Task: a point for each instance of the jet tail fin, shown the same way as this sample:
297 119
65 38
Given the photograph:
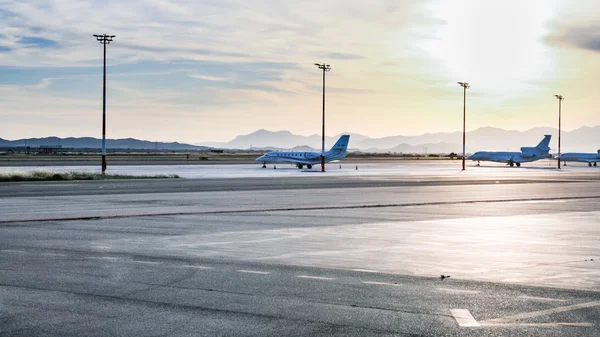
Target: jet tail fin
340 147
545 143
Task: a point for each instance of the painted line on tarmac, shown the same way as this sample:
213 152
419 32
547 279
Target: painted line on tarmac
253 272
541 325
196 266
464 318
316 277
459 291
146 262
365 270
543 299
383 283
112 258
534 314
53 254
291 209
13 251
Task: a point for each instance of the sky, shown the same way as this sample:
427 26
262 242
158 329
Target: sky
209 70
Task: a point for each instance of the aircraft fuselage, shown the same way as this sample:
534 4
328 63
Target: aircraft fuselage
591 158
337 152
507 157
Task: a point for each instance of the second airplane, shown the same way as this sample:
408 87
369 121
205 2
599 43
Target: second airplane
527 154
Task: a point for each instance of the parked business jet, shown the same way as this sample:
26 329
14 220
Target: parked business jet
527 154
590 158
337 152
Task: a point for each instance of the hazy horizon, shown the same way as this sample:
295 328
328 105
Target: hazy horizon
203 71
297 134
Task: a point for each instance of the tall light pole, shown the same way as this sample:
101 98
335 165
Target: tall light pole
465 86
560 99
104 40
325 67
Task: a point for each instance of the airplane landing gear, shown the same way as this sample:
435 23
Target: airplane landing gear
594 164
264 165
511 164
518 164
300 166
478 163
309 166
590 164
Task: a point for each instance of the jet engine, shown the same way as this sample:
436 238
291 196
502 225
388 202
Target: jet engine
529 152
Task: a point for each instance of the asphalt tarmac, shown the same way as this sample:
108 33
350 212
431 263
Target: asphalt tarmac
398 168
319 256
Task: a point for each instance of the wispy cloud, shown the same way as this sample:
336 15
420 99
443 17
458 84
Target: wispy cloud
38 42
44 83
210 30
582 36
208 78
343 56
41 84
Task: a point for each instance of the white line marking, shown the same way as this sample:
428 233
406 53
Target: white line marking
146 262
542 299
366 270
253 272
464 318
383 283
102 257
533 314
459 291
316 277
196 267
543 325
14 251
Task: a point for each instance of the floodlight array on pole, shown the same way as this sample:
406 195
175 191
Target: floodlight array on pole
325 67
465 86
560 99
104 39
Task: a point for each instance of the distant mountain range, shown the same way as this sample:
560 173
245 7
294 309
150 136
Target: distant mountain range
584 139
487 138
95 143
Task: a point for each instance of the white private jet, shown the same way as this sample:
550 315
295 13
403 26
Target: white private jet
337 152
590 158
527 154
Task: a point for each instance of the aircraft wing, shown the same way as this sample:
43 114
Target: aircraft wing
313 156
505 158
524 159
302 161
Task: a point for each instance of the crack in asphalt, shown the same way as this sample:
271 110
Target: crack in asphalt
201 308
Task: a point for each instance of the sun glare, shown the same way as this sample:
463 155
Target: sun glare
496 46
